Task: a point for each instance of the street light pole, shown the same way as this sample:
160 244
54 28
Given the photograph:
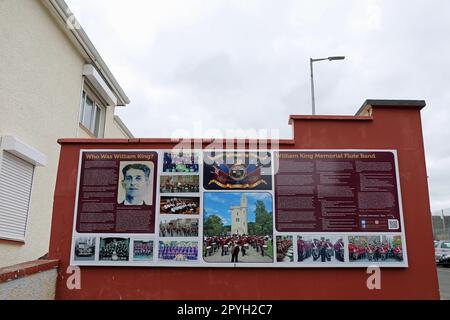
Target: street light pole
312 88
311 60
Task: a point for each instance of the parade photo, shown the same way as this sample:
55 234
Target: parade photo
285 249
142 250
180 161
85 249
180 205
178 251
238 227
179 183
320 249
237 171
135 186
114 249
391 249
366 248
178 227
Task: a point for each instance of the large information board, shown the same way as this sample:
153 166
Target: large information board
238 208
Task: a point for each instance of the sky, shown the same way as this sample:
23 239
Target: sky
226 68
219 203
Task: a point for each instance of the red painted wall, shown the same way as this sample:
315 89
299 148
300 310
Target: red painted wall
388 128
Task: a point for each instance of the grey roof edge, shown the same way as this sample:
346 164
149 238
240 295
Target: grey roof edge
64 13
123 126
417 104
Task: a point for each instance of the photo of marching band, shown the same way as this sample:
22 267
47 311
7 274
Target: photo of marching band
178 250
180 205
182 161
85 248
375 248
114 249
179 184
238 227
142 250
320 249
178 228
237 248
285 249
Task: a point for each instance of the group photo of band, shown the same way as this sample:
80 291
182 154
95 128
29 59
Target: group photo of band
178 250
180 161
238 248
320 249
285 249
180 205
84 249
179 184
142 250
114 249
375 248
178 227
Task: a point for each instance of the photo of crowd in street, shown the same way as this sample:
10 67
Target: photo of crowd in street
114 249
179 184
178 251
142 250
238 227
285 249
375 248
180 205
178 227
180 161
320 249
84 249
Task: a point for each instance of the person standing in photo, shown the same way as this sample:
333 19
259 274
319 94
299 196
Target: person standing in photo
235 254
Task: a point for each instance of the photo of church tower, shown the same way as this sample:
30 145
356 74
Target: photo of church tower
239 221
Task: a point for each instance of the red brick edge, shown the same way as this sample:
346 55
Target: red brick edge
26 269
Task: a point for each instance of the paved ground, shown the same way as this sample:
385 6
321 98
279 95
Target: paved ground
444 282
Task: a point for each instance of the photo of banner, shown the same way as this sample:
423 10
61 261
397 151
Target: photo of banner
237 171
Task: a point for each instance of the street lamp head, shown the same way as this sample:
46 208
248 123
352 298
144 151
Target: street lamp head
311 60
336 58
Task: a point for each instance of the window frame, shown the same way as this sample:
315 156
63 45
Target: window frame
88 92
445 245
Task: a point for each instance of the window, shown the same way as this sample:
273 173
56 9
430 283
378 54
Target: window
445 245
16 179
92 113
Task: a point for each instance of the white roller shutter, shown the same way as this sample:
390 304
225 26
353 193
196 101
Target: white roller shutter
16 179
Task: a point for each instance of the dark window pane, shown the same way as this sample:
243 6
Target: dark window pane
97 121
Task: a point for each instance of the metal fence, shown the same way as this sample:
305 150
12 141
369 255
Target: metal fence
441 224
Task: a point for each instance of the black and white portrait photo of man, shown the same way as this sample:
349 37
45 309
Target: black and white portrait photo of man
135 184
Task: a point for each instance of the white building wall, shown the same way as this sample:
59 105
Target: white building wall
112 129
40 93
